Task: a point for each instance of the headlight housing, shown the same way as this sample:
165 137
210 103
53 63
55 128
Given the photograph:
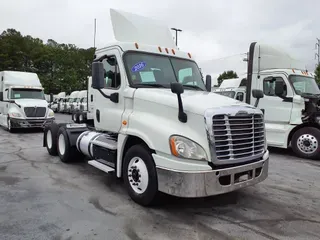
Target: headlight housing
50 114
15 115
185 148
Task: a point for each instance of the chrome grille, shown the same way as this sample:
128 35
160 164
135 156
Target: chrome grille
238 137
35 111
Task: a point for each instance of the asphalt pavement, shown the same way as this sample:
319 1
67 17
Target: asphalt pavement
43 198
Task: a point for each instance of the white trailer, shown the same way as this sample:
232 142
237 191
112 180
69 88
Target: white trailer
156 123
22 101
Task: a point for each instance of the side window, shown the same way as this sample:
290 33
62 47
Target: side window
269 84
185 77
240 96
112 73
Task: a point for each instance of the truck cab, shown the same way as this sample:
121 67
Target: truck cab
22 101
157 124
235 93
291 100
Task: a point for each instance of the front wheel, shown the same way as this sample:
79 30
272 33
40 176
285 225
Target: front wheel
306 143
140 175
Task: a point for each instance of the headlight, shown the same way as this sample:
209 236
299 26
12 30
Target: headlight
185 148
15 115
51 113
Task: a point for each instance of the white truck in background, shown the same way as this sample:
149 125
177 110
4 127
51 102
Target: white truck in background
22 101
291 101
156 123
55 104
69 103
233 88
76 105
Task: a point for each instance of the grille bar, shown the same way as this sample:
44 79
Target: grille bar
238 137
35 111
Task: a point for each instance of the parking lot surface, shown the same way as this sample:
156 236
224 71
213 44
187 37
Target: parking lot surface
43 198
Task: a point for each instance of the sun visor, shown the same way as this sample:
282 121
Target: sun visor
128 27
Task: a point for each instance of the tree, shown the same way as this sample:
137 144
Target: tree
317 72
60 67
226 75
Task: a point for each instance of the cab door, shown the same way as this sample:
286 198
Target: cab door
108 113
277 110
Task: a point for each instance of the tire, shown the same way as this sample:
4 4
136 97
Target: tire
138 157
81 118
51 132
74 117
306 143
66 153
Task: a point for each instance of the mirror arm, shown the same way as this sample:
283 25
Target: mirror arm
100 59
114 97
182 116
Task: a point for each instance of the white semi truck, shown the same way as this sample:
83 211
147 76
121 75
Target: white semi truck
55 104
22 101
156 123
291 101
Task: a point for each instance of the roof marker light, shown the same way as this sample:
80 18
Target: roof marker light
189 55
160 50
137 46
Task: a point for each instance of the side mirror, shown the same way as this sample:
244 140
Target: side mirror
1 96
176 88
208 83
279 88
257 93
98 81
51 97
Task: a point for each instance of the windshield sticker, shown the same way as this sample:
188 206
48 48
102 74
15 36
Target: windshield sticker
16 95
138 66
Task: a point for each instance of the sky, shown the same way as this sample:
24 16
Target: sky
216 32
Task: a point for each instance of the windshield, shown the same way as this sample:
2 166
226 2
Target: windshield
76 100
150 70
303 84
70 100
227 93
18 93
84 100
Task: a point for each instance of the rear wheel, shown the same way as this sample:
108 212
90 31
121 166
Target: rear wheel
140 175
50 136
306 143
66 152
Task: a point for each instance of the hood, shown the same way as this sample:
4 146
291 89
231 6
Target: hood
193 101
31 102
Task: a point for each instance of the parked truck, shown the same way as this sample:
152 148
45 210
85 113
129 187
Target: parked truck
291 101
22 101
156 123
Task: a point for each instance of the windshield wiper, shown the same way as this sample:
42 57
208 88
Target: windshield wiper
156 85
194 87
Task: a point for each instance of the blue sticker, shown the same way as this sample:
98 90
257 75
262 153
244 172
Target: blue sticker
138 66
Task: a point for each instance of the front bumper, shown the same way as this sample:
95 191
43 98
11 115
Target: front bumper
213 182
30 123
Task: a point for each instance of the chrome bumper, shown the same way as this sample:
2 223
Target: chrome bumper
213 182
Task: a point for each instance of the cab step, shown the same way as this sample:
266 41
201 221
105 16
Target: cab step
101 166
